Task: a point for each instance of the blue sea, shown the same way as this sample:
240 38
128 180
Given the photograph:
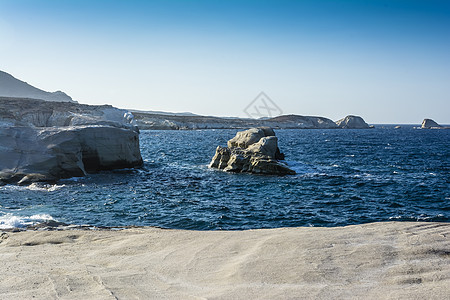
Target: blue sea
343 177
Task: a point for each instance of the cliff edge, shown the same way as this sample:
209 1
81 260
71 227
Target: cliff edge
47 141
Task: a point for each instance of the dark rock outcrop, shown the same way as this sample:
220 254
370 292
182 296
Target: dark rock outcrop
253 151
47 141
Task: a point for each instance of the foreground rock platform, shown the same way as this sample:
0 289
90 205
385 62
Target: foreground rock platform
47 141
393 260
253 151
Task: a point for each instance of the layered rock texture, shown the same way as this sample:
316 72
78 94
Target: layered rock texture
430 124
13 87
160 121
352 122
38 113
253 151
47 141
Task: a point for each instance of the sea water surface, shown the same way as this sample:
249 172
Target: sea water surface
343 177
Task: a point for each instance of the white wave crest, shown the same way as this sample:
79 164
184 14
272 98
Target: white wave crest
9 221
41 187
300 168
44 187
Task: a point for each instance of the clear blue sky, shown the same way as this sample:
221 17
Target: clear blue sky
387 61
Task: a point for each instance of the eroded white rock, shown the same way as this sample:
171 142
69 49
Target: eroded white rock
47 141
352 122
254 151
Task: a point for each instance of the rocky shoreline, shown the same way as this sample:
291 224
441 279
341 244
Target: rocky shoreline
52 225
48 141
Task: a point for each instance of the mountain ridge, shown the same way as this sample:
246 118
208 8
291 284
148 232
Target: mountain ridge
16 88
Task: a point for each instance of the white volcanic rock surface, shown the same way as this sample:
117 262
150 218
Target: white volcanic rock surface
176 122
383 260
13 87
39 113
46 141
306 122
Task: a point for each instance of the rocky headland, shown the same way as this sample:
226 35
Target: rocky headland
253 151
159 121
47 141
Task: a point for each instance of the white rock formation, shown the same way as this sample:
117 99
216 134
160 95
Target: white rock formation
13 87
146 120
46 141
301 122
38 113
244 139
430 124
352 122
254 151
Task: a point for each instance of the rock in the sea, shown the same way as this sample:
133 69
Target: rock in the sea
429 123
353 122
254 151
47 141
243 139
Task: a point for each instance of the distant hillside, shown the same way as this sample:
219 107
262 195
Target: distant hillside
13 87
164 113
152 121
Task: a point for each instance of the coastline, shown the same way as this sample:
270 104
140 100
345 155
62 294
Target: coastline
390 260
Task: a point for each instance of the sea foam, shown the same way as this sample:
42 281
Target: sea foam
9 221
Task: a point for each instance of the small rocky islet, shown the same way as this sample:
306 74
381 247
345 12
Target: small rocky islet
252 151
431 124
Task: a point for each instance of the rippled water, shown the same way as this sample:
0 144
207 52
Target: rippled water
344 177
